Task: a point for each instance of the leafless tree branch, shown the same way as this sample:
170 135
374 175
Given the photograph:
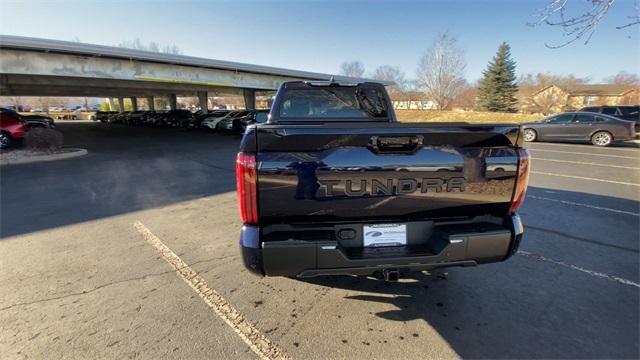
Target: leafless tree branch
153 46
352 69
633 19
394 74
440 72
581 26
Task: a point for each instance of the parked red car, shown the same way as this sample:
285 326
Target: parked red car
12 127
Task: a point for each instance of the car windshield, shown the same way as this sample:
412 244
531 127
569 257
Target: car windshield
240 114
331 102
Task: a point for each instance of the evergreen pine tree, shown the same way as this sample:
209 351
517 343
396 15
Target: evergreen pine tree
497 89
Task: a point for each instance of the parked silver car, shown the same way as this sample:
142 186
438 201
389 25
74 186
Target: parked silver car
599 129
211 121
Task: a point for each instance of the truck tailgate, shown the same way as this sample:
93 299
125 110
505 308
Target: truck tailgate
387 172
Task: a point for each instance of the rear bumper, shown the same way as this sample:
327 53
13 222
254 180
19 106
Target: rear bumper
625 136
315 258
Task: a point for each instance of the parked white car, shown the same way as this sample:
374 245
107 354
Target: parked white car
212 121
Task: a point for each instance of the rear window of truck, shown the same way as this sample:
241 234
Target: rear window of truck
333 102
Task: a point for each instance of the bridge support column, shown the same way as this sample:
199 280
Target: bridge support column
249 99
121 104
203 99
173 101
112 105
134 103
150 103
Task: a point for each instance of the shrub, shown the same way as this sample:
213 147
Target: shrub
44 140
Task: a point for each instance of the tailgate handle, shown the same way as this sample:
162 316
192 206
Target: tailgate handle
396 144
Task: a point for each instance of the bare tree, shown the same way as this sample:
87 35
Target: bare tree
466 100
352 69
32 102
14 100
625 78
391 73
440 71
547 102
45 102
581 25
153 46
188 102
171 49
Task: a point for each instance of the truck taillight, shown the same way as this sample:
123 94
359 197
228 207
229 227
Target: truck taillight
522 180
246 182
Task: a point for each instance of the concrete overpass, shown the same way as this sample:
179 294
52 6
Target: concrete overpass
42 67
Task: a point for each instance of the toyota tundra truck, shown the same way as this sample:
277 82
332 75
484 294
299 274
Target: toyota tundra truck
332 184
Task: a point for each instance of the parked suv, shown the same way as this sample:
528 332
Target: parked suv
239 124
12 127
178 117
32 121
103 116
624 112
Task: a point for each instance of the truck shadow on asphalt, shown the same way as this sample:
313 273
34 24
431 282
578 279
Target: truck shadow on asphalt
525 308
506 310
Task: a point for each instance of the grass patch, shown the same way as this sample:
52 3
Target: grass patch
465 116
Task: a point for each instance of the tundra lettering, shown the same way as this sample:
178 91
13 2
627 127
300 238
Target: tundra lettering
389 187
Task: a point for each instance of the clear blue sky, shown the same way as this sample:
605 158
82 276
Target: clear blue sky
319 36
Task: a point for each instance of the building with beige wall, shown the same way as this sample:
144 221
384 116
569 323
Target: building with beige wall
553 98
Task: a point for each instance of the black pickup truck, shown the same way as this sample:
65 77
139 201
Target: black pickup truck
333 184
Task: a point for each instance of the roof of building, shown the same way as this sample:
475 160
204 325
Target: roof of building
77 48
594 89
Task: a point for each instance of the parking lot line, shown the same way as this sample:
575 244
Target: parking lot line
589 146
260 344
584 205
578 268
585 153
585 178
586 163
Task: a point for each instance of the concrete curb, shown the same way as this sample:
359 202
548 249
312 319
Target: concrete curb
41 158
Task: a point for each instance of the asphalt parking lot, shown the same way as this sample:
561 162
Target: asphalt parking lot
80 279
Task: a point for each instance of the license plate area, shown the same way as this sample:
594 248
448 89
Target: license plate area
384 235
